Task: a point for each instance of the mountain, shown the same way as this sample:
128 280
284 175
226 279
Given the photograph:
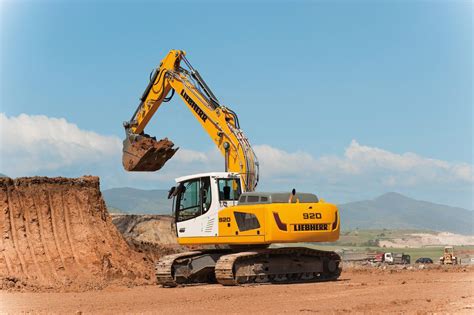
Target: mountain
389 211
395 211
137 201
3 175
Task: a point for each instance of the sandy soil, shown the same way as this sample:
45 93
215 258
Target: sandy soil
152 235
146 227
56 234
376 291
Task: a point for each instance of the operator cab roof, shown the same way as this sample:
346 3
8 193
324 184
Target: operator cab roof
248 198
210 174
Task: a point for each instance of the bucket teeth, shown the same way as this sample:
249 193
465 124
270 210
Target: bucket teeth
145 154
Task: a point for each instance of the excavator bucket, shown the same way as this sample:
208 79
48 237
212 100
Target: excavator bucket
145 154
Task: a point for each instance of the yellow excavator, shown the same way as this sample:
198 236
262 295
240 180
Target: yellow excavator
223 208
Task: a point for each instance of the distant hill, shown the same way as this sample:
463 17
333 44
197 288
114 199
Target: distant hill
137 201
395 211
389 211
3 175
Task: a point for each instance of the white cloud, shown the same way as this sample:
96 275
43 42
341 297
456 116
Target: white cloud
364 162
40 145
31 144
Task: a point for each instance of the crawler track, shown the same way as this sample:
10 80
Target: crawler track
165 268
228 267
280 265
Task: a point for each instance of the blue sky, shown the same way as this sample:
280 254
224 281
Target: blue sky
306 78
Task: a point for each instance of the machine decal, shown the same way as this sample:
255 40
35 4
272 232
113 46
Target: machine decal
310 227
312 215
224 219
281 225
194 106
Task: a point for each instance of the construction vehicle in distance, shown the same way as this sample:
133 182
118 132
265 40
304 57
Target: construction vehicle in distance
222 208
392 258
448 257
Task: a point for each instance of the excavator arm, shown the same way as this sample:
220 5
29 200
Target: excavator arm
144 153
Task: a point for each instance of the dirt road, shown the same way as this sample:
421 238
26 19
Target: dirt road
411 291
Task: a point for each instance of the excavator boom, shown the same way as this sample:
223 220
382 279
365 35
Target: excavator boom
143 153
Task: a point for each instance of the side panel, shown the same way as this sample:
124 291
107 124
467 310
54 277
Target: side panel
228 229
242 221
240 240
302 222
202 226
274 223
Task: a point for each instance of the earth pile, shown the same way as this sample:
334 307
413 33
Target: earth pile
152 235
56 233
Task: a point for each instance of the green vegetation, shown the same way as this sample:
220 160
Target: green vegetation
432 252
366 241
371 238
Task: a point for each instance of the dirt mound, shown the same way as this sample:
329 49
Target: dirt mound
152 235
148 228
56 233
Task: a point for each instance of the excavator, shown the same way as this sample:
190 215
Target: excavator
224 209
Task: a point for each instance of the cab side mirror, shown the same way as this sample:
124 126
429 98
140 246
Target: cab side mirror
171 192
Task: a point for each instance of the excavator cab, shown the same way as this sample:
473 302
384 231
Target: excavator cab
210 208
198 198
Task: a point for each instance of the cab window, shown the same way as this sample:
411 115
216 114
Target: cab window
229 189
206 194
188 205
193 198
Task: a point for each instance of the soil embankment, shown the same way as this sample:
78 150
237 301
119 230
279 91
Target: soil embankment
152 235
56 234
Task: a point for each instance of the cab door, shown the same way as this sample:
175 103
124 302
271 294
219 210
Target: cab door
192 204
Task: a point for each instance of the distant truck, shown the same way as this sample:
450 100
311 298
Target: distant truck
392 258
